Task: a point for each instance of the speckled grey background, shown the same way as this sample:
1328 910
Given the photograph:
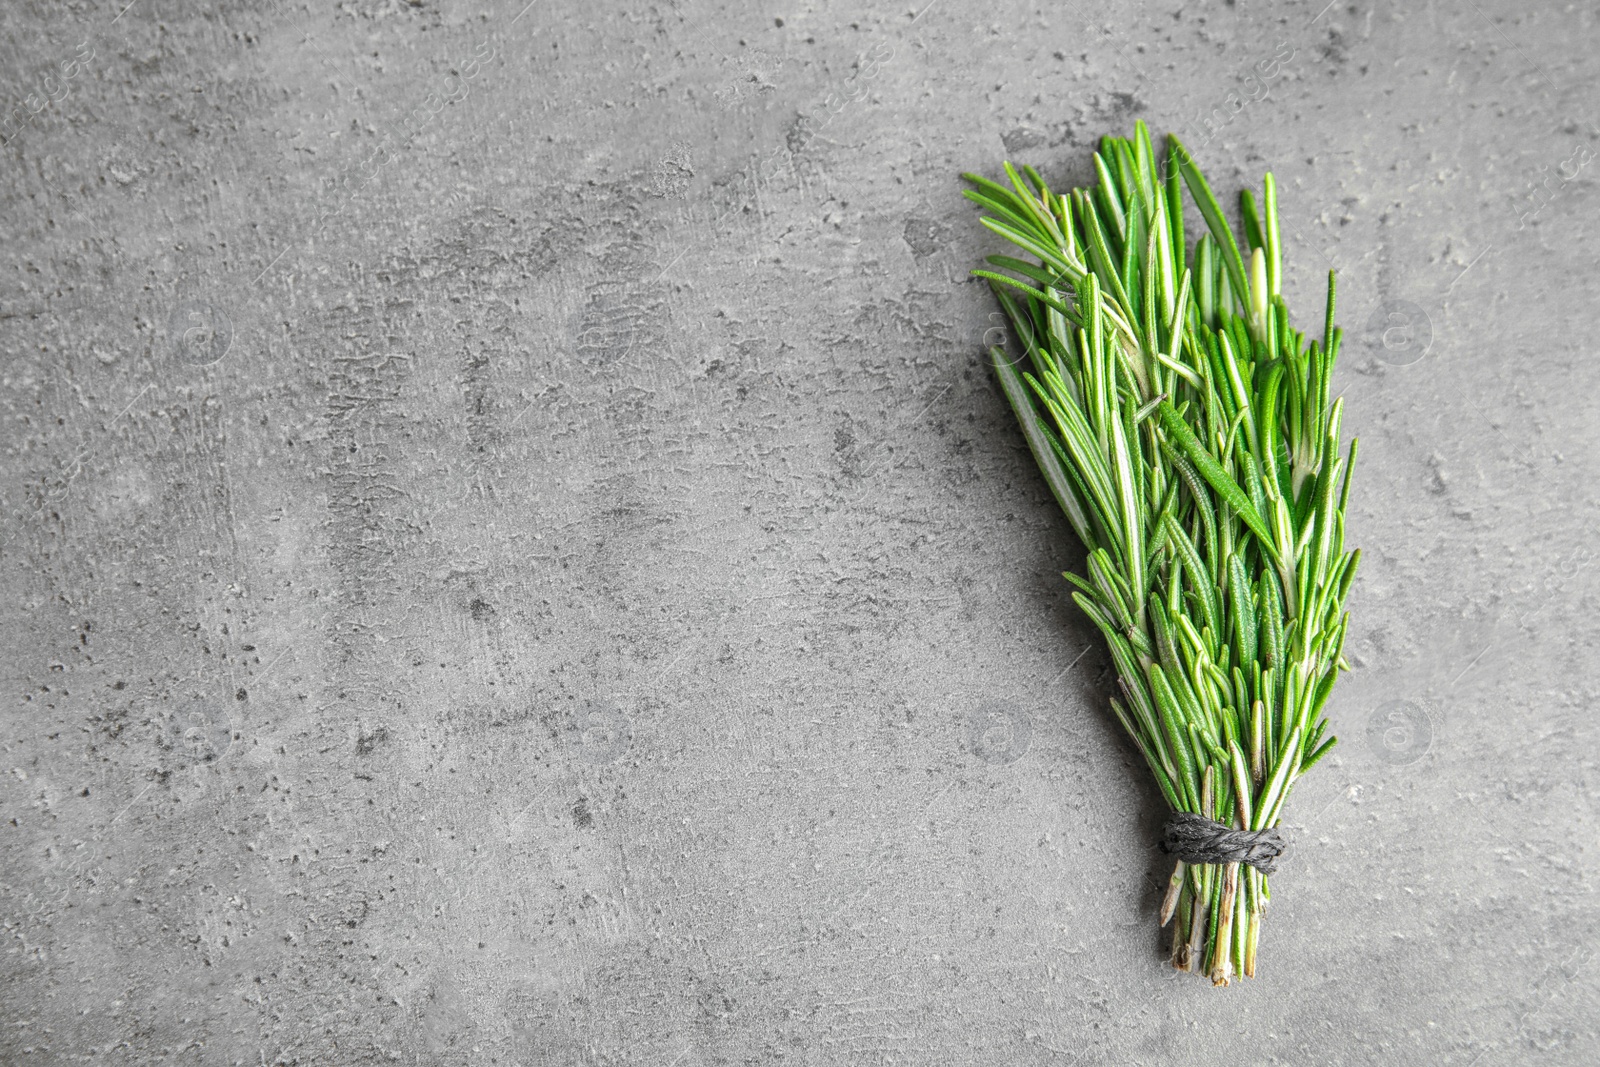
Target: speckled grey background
512 554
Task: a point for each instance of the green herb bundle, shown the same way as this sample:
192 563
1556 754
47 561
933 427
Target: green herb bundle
1186 430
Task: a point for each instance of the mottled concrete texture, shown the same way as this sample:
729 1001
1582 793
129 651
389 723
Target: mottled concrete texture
513 555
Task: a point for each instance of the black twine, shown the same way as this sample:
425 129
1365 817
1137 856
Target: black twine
1196 839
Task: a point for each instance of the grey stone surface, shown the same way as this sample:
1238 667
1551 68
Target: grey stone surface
513 555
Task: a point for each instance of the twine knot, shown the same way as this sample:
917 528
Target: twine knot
1197 839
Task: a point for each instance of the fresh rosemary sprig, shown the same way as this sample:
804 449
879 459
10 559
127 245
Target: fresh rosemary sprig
1185 428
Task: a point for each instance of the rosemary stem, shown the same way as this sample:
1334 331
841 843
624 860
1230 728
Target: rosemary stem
1174 888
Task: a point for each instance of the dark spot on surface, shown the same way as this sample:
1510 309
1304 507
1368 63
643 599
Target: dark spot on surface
581 814
846 451
1121 107
1335 51
1020 138
1110 111
925 237
241 695
366 741
481 609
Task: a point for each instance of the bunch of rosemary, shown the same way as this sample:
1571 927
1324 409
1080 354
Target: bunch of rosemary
1185 428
